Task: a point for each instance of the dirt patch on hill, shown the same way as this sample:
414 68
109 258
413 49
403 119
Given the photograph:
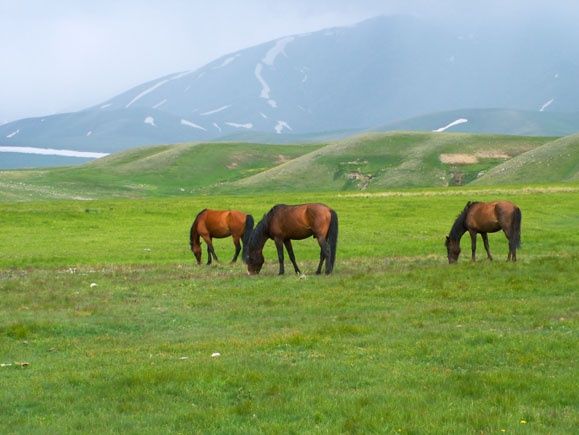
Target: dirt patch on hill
361 180
471 159
458 159
281 159
493 155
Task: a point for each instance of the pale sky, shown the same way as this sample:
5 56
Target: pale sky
65 55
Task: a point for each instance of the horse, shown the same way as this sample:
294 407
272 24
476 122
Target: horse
483 218
284 223
219 224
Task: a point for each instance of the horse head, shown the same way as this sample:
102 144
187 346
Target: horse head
452 249
255 262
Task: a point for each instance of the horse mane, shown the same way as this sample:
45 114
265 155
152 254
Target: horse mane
459 226
260 233
193 231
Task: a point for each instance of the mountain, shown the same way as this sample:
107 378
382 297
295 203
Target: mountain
370 75
506 121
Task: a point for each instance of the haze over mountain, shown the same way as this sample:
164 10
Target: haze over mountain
372 75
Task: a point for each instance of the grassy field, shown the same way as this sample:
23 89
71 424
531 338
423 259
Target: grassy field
117 326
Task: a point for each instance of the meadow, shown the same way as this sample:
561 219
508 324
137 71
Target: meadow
107 325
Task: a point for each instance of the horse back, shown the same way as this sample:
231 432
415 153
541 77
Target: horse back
236 222
300 221
214 223
489 217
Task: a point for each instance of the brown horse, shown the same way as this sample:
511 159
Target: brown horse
220 224
483 218
284 223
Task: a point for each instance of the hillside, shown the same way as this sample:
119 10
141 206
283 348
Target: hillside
400 159
554 161
355 78
154 171
371 161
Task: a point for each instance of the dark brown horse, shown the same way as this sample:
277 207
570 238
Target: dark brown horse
284 223
483 218
219 224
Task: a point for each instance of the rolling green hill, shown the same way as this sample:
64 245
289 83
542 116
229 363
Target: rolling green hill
400 159
554 161
152 171
372 161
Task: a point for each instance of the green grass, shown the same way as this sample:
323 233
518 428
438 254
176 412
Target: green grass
368 162
395 341
554 161
177 170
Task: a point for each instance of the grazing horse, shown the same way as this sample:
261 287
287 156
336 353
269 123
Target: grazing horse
220 224
483 218
284 223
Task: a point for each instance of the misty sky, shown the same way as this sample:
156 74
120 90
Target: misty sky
65 55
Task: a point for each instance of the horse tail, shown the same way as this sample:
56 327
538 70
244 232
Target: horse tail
516 228
332 239
246 236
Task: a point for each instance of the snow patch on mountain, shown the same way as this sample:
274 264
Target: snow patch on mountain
88 133
14 133
237 125
276 50
192 124
452 124
220 109
160 103
217 126
147 91
547 104
150 121
280 126
227 61
269 60
156 86
51 152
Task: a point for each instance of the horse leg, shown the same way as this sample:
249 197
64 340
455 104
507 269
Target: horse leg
290 251
279 246
237 244
210 250
208 254
207 240
213 253
473 244
487 247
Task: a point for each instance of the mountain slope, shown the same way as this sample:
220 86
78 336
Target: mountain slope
375 73
374 162
516 122
399 159
151 171
554 161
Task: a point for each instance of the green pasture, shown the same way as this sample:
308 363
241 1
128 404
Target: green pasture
107 326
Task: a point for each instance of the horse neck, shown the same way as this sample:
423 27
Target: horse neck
259 236
194 235
459 227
